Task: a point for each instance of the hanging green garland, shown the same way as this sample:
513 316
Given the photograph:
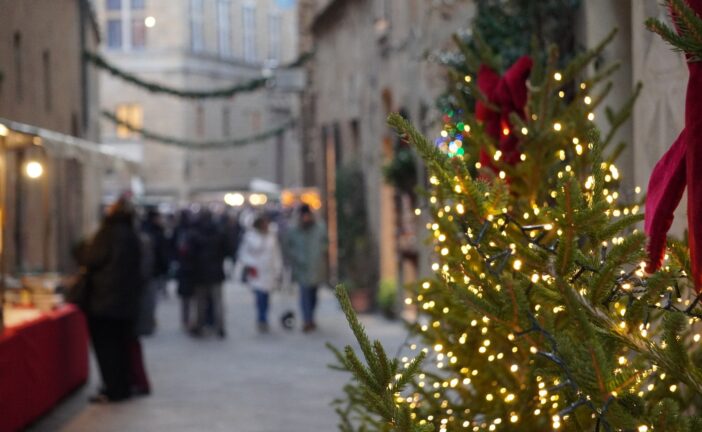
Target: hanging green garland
152 87
200 145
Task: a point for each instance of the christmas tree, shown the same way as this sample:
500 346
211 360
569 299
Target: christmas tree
540 315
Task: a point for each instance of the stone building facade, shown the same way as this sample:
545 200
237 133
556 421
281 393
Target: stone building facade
371 59
200 45
49 101
43 79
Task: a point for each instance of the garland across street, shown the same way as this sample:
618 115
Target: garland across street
221 93
200 145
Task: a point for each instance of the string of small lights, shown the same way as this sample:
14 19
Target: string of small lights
540 315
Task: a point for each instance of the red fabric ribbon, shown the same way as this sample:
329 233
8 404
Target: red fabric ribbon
674 172
509 95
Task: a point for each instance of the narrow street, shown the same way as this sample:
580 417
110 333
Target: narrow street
247 383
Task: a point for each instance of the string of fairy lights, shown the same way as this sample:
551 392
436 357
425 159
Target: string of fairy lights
629 285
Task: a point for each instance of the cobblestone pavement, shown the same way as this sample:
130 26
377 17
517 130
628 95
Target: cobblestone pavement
277 382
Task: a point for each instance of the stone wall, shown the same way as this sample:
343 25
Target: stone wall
42 76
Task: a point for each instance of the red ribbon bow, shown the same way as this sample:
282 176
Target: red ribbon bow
509 95
674 172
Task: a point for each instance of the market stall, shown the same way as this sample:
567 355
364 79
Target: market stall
43 357
51 190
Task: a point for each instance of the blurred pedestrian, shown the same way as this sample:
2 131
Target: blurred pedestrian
262 263
113 261
154 227
233 232
306 248
185 256
155 258
210 248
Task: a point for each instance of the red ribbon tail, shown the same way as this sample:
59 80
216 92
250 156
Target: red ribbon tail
693 126
665 190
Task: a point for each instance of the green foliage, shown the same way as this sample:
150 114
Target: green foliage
387 295
401 171
539 314
379 381
353 233
688 37
511 26
227 92
200 145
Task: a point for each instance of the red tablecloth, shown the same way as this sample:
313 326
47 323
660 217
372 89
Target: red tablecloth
40 362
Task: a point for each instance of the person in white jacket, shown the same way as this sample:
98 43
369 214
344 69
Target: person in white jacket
262 262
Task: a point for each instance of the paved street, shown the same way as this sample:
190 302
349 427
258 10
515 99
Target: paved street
277 382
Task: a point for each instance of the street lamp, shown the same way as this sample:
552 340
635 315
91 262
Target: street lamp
34 169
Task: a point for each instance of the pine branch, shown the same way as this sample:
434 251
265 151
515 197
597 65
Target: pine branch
376 380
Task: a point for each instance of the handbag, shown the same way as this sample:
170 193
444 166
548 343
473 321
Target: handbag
248 272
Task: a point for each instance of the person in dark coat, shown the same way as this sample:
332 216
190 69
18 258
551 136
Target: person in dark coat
113 261
155 255
183 239
209 245
154 227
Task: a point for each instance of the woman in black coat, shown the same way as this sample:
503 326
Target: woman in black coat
113 260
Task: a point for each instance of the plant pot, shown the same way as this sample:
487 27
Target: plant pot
360 300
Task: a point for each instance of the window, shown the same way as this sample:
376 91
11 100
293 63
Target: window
131 114
114 33
138 27
224 28
249 31
114 5
200 120
356 137
125 24
46 69
197 23
274 24
226 122
17 47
